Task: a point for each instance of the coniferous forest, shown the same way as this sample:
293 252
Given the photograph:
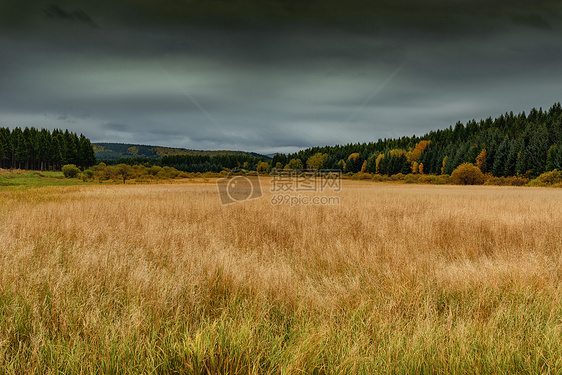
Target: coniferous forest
509 145
35 149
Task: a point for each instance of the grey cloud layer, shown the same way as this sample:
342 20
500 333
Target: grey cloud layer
279 87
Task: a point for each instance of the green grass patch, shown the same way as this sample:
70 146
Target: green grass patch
37 180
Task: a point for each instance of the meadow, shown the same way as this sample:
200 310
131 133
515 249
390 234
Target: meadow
396 278
23 180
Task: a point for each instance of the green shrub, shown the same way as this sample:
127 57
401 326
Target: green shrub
411 178
442 179
70 170
467 174
551 178
171 172
426 179
379 178
88 174
154 170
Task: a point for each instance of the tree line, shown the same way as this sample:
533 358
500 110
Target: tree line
35 149
509 145
196 163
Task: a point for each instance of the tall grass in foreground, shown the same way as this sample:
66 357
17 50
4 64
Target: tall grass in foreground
396 279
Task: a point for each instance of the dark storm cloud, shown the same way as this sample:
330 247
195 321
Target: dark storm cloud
56 12
273 75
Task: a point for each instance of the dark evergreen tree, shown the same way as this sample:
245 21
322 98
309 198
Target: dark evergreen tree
43 151
558 160
405 168
71 148
498 167
511 161
3 148
86 156
56 155
551 156
7 162
19 147
534 154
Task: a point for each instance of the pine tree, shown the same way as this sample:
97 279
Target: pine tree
537 150
90 155
70 147
56 155
43 149
18 147
3 148
404 165
511 160
551 156
558 160
7 147
29 139
498 169
82 152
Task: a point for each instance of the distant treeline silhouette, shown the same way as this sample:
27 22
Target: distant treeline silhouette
35 149
196 163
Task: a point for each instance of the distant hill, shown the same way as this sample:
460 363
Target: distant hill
114 151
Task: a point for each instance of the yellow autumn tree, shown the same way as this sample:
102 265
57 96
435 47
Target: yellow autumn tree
421 168
353 156
415 154
444 164
262 166
364 167
396 153
415 167
378 162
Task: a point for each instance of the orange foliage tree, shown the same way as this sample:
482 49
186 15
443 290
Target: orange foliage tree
415 154
481 161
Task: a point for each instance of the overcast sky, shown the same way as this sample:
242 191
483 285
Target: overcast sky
273 75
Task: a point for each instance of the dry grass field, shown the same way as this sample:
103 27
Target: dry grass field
395 279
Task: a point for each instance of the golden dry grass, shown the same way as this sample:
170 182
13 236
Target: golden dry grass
395 279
